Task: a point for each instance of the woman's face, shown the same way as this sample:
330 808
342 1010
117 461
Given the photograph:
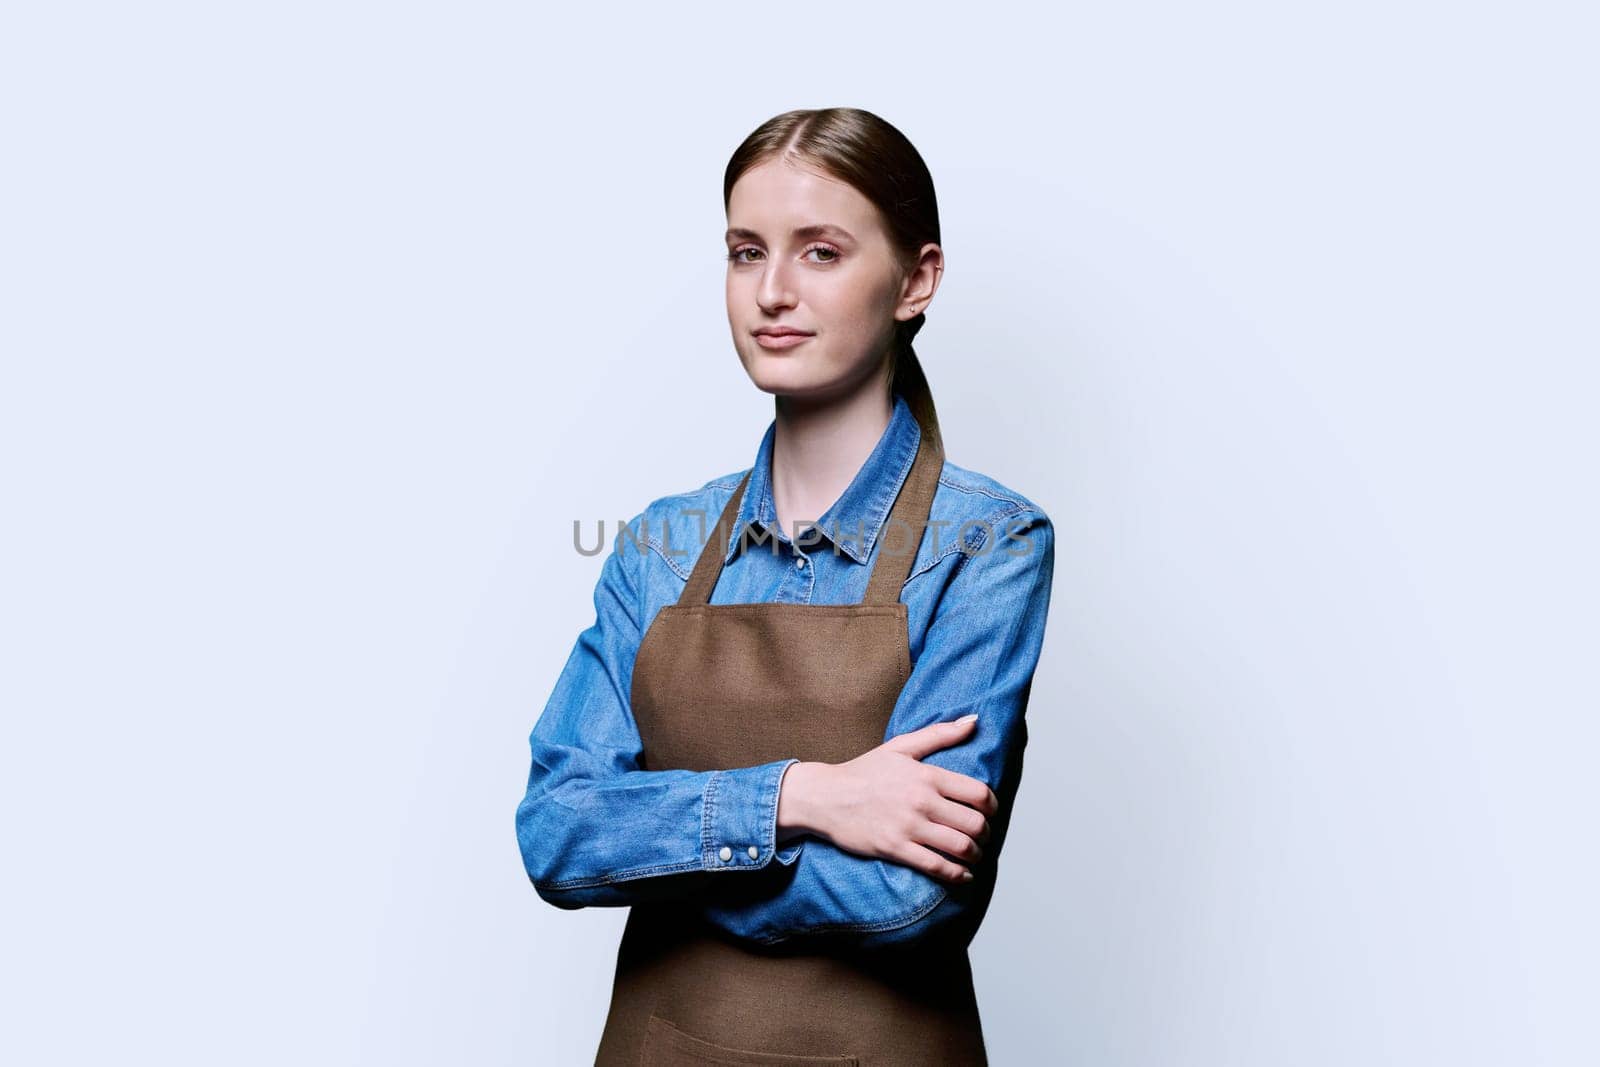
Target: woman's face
840 284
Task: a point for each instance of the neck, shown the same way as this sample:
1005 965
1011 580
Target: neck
818 449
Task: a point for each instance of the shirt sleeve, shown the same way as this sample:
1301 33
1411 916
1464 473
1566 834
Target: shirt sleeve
596 829
979 655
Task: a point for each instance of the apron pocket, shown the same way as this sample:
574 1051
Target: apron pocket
667 1046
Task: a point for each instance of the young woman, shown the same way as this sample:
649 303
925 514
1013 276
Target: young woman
792 747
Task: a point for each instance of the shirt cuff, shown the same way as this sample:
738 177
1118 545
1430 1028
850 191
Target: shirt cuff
787 854
739 825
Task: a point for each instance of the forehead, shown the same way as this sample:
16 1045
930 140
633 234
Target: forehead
779 195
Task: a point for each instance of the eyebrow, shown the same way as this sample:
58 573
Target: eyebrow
838 233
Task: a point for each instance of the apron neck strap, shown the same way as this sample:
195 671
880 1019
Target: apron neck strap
901 533
708 568
891 564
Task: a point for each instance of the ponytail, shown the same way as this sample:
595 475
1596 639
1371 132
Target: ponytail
908 381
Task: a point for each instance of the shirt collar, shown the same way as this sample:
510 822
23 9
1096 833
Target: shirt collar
858 515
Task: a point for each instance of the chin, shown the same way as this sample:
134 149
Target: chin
779 379
776 368
786 375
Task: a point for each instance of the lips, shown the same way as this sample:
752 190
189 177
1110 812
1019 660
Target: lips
781 337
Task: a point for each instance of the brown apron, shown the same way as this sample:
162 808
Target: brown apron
736 685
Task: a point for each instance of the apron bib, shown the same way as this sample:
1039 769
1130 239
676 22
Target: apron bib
735 685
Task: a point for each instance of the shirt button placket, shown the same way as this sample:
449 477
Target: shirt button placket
806 575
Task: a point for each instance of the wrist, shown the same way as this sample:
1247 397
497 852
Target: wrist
799 793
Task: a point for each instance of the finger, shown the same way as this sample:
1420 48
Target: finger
960 818
931 863
965 788
956 844
931 738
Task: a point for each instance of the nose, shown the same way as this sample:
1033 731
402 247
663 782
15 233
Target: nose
774 294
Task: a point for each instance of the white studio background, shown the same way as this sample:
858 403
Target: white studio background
321 323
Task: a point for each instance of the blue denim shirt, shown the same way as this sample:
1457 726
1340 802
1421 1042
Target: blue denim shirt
595 829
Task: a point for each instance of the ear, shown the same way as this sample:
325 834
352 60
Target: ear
921 282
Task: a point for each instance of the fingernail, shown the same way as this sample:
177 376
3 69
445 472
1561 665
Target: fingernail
967 876
968 718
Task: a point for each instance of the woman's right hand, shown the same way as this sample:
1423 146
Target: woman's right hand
888 804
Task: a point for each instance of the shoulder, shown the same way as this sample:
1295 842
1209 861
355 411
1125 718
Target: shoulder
966 490
974 510
672 528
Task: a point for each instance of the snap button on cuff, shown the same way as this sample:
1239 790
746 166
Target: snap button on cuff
726 853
